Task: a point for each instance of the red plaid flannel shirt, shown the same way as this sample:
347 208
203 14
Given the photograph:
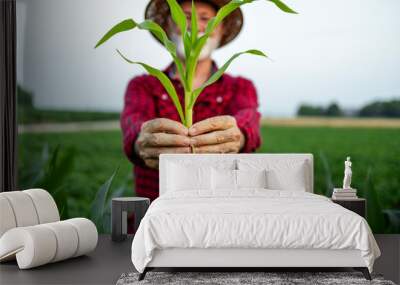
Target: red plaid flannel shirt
146 99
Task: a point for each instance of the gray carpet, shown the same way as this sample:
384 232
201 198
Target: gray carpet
231 278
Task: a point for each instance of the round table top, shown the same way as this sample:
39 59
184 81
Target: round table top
130 199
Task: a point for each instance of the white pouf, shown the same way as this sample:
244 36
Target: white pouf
31 231
23 208
7 220
45 205
87 233
67 237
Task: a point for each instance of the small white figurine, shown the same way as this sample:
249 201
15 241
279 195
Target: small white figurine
347 174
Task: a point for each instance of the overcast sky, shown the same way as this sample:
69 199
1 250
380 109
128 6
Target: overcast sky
347 51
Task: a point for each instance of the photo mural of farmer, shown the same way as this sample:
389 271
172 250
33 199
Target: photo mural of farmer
225 116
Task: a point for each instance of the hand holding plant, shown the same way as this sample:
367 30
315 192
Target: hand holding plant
158 136
219 134
193 44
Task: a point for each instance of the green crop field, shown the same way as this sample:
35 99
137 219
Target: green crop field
77 164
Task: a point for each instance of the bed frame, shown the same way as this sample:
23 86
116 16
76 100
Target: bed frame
242 259
248 259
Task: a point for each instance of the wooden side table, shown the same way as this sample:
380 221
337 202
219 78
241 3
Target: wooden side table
357 205
119 214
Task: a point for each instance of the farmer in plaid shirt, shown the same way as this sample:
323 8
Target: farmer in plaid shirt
225 116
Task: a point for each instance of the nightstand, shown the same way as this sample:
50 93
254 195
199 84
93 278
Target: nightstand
119 214
357 205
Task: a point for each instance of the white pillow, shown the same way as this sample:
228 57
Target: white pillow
228 179
183 177
203 161
292 179
223 179
281 174
251 178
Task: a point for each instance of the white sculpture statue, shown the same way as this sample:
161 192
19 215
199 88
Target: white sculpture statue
347 174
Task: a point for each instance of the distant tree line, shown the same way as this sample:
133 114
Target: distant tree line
29 114
388 109
332 110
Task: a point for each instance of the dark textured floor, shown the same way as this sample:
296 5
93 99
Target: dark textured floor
110 260
103 266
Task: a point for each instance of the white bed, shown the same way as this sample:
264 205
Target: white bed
250 226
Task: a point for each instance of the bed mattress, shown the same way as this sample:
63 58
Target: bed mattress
251 219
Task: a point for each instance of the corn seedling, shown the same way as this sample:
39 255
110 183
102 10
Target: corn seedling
193 44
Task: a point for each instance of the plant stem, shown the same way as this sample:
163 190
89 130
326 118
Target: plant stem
188 110
188 117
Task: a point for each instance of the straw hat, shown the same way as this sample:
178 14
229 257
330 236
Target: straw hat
158 11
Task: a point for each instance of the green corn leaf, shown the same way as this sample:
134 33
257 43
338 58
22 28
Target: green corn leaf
223 12
394 218
227 9
220 71
169 87
148 25
192 60
187 42
327 173
58 166
375 216
157 31
123 26
98 205
283 6
194 28
178 15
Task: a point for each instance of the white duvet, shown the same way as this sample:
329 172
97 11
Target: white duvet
251 218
